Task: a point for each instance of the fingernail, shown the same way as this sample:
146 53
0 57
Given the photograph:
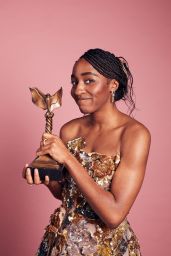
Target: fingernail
36 171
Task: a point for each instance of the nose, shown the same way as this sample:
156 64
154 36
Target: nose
79 89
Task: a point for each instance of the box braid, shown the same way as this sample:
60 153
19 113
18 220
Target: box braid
113 67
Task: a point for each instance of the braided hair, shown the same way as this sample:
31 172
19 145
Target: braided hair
113 67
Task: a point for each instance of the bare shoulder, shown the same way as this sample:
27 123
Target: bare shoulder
134 127
135 133
71 129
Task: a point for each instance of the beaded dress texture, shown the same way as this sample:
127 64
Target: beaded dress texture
74 228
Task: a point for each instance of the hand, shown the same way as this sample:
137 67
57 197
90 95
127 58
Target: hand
53 145
27 175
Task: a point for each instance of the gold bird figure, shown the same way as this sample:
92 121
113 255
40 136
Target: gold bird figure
46 101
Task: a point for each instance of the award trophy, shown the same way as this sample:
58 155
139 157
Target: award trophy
45 164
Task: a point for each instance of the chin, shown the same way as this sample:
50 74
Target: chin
86 111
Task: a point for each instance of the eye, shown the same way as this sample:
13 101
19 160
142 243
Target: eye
89 81
74 82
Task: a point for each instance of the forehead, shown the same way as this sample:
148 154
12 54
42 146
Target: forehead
83 66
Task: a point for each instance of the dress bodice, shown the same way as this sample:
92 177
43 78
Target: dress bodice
99 166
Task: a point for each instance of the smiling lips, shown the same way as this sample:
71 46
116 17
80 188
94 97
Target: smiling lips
79 99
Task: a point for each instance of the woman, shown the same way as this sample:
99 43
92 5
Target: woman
105 153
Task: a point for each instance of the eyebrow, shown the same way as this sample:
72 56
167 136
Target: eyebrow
86 73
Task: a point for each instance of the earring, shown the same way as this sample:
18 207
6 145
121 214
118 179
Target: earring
113 96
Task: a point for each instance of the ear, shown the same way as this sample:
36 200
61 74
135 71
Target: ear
114 85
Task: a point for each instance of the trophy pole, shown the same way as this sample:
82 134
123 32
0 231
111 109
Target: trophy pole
49 122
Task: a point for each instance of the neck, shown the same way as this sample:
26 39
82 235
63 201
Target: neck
105 118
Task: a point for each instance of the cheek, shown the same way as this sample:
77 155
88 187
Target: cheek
101 93
72 92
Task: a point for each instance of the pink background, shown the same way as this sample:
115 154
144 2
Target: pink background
40 40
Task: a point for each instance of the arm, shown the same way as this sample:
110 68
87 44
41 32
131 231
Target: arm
55 187
111 206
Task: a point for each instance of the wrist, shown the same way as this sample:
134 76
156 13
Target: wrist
68 158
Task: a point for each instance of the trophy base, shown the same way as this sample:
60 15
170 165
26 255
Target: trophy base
47 167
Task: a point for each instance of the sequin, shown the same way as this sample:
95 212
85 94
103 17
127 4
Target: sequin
75 229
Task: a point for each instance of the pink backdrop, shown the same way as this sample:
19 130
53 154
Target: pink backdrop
40 40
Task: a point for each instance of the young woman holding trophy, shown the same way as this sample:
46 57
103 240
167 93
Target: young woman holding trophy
105 154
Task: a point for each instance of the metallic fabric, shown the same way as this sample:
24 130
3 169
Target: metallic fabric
75 229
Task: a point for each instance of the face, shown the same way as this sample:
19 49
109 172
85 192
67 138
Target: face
90 89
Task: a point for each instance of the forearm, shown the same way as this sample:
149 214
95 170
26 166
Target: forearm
101 201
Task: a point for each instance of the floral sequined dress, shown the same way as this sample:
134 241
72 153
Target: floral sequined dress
74 228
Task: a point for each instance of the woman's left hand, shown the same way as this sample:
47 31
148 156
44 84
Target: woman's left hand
53 145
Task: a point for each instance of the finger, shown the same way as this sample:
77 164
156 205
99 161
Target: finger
24 171
28 176
46 182
37 180
39 149
44 150
46 141
48 136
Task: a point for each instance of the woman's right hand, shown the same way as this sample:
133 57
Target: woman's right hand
27 175
53 185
